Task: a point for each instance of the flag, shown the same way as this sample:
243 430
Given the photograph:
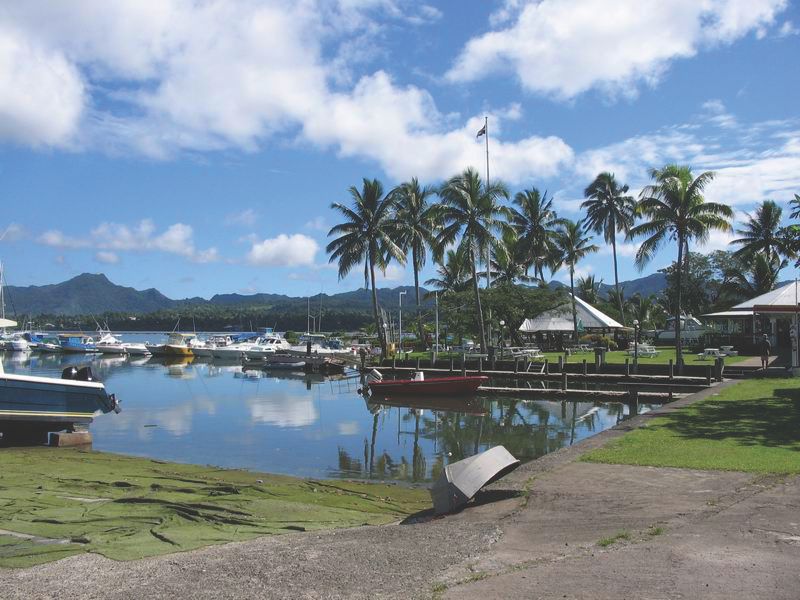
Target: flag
482 131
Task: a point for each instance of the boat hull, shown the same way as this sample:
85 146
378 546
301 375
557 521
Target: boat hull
46 399
429 387
111 349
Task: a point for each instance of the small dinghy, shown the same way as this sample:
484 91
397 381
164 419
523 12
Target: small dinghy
434 386
461 480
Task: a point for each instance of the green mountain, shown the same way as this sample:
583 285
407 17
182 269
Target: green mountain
85 294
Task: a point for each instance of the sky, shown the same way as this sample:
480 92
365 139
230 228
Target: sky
195 146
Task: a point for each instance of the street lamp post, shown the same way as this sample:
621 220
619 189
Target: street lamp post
400 323
636 345
502 324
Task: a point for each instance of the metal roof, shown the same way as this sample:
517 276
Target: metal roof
782 296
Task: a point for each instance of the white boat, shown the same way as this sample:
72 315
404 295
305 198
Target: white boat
206 349
267 345
109 344
20 344
691 330
135 349
232 352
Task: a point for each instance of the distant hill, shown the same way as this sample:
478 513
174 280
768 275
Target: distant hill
84 294
95 294
647 285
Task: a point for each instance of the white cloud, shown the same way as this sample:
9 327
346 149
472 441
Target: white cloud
245 218
284 251
787 29
215 75
318 224
105 257
109 236
14 232
394 273
564 48
41 92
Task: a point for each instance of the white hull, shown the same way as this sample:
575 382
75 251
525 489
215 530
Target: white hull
228 353
202 352
111 349
136 349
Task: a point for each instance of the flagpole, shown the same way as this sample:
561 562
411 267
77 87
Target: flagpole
489 247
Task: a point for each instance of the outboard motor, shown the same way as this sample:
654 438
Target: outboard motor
82 374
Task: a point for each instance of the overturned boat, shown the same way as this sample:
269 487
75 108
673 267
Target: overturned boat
461 480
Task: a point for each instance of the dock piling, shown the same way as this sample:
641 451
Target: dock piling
671 369
564 379
627 367
585 372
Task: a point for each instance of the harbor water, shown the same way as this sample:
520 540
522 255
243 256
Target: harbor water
205 412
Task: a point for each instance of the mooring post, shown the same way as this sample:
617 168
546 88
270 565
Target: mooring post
464 365
451 364
493 365
634 394
417 366
564 379
671 369
547 366
708 375
516 365
627 367
719 368
480 364
394 363
585 372
561 363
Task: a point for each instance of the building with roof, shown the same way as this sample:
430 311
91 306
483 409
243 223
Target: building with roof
774 313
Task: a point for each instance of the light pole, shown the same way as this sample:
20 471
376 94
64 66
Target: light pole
400 322
502 346
636 345
436 343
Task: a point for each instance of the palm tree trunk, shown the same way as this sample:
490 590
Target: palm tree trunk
574 311
378 328
420 332
484 344
616 277
678 345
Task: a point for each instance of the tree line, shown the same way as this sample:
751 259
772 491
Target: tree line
474 230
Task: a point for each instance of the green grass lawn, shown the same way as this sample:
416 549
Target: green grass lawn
127 508
752 426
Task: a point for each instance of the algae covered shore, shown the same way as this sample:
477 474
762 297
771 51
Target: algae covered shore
59 502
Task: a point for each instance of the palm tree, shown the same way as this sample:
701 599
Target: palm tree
573 246
416 227
469 208
795 204
676 209
761 277
609 211
762 233
508 260
642 308
453 274
535 223
366 235
589 288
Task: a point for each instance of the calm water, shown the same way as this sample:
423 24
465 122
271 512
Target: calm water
209 413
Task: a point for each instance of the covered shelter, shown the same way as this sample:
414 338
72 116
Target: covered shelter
774 313
553 324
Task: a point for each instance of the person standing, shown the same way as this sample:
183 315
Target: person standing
766 347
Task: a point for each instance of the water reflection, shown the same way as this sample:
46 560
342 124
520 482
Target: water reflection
207 412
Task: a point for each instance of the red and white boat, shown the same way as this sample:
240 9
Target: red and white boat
434 386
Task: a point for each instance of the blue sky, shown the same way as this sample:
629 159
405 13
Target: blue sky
195 147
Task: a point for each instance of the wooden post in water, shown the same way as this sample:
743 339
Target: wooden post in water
561 363
451 363
585 372
417 366
634 395
671 369
516 365
480 364
547 366
627 367
564 379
